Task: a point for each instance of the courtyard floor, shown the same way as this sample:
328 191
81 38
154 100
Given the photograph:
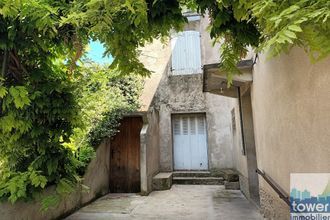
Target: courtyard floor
180 202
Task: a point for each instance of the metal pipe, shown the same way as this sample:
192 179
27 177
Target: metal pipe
241 118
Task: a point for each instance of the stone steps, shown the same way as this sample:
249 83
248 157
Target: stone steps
162 181
191 174
198 180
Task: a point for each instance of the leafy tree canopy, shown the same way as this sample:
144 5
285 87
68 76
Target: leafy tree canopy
49 29
53 29
269 25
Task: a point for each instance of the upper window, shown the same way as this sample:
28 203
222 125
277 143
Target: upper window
186 53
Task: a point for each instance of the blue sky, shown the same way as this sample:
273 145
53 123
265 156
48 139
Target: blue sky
95 52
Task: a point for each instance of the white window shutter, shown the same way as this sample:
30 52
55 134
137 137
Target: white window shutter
177 127
186 53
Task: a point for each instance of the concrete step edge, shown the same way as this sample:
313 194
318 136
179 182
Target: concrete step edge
198 178
191 173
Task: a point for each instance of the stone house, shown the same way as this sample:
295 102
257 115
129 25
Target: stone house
181 127
273 119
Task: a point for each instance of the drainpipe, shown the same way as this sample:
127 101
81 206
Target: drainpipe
241 118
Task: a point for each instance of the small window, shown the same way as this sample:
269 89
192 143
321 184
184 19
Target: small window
186 53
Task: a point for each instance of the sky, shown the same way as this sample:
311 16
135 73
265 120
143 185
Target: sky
95 52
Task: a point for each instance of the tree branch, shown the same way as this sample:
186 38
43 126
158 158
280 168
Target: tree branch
4 63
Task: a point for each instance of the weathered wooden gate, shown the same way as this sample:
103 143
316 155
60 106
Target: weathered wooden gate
125 157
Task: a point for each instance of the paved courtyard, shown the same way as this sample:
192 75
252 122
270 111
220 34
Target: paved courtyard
180 202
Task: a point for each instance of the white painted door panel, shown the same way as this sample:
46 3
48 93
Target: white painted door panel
189 142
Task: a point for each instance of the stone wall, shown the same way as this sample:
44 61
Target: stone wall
272 206
96 178
176 94
244 185
184 94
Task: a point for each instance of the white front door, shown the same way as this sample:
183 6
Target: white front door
189 142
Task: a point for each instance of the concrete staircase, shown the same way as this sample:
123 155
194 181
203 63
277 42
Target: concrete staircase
164 180
196 178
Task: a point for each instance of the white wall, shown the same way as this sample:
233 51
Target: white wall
291 110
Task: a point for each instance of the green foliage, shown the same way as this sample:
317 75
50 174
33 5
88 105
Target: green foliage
51 116
45 127
52 29
105 97
42 143
122 25
299 22
266 25
34 126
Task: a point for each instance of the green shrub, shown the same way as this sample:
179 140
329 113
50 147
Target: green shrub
33 129
51 125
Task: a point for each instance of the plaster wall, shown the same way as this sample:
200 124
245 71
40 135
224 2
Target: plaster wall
149 151
240 162
240 159
184 94
290 101
210 53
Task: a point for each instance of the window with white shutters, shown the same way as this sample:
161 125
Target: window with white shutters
186 53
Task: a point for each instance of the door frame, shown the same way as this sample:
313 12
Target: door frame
206 136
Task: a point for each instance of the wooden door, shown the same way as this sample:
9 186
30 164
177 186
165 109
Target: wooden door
189 140
125 157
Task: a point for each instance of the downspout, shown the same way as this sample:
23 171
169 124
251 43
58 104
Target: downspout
241 118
